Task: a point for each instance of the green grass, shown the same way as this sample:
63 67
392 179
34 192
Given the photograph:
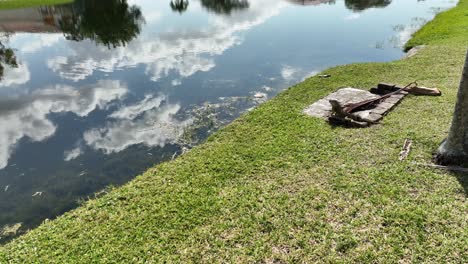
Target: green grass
450 28
12 4
276 186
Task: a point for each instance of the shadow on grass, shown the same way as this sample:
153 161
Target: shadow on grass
458 167
462 178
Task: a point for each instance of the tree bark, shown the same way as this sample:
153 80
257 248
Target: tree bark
454 149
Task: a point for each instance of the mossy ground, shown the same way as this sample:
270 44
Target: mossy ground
11 4
276 186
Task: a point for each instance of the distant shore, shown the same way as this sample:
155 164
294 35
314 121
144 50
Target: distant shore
11 4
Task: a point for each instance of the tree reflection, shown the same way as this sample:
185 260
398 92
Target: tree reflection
112 23
224 6
7 58
179 5
360 5
216 6
311 2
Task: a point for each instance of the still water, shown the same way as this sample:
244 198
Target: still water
94 92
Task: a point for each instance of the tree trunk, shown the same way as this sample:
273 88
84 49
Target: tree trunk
454 150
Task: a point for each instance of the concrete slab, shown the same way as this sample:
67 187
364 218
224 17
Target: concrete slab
323 109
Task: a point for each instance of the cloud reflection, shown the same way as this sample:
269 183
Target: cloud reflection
27 116
73 154
15 75
150 122
35 43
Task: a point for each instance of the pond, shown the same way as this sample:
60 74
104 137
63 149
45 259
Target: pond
95 92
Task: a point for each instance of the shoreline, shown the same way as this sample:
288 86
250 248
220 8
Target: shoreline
14 4
275 184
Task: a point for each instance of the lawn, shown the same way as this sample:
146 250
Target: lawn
11 4
276 186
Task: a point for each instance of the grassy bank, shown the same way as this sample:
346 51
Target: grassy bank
11 4
276 186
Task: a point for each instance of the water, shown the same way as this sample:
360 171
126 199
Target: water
95 92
